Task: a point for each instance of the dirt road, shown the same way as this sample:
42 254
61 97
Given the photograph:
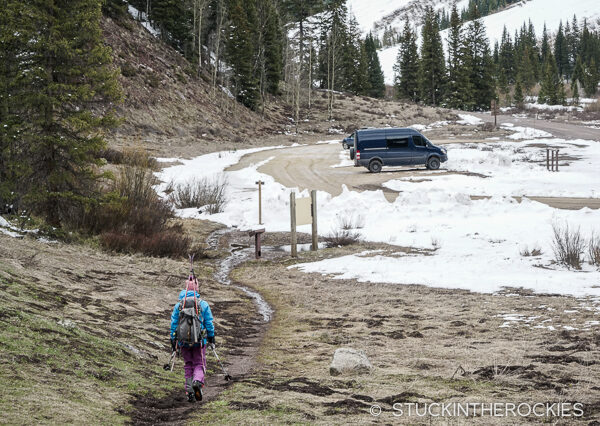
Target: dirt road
558 129
313 167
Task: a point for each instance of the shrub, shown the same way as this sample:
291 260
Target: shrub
209 194
535 251
568 246
341 237
351 222
594 250
171 242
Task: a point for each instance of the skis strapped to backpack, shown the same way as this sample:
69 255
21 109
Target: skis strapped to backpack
189 330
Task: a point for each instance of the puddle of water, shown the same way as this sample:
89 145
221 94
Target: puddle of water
237 256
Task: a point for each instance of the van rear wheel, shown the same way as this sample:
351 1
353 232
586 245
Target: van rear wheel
433 163
375 166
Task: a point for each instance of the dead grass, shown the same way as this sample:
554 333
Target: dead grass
83 331
207 194
416 337
594 250
568 245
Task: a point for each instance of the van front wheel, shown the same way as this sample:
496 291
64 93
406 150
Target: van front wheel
433 163
375 166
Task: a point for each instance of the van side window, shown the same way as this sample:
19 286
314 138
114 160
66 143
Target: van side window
419 141
397 143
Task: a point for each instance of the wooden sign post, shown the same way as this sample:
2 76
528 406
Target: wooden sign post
494 108
293 224
260 183
313 210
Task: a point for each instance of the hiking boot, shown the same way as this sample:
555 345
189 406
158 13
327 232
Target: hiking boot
190 397
197 386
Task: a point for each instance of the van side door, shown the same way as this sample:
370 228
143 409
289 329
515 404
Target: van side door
420 150
398 151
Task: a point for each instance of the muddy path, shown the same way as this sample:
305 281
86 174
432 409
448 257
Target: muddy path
241 344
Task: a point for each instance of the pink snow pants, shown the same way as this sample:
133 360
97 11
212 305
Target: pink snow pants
195 365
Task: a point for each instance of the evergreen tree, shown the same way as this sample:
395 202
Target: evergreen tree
406 70
459 85
376 79
432 67
591 77
545 46
116 9
561 52
506 57
174 21
518 95
575 92
272 49
240 51
61 94
551 83
479 65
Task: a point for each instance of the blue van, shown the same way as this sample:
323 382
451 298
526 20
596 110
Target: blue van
375 148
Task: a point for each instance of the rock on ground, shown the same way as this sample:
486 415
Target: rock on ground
348 360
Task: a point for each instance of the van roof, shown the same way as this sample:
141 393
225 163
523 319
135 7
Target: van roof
395 129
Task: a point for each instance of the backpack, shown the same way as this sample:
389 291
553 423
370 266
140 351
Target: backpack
190 330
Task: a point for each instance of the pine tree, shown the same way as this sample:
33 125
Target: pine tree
432 67
272 38
174 21
240 51
479 65
575 92
561 53
545 46
518 95
406 70
459 85
591 77
66 90
551 83
376 79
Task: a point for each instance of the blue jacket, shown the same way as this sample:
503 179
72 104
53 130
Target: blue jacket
205 315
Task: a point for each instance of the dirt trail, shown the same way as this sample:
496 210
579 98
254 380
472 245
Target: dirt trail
312 167
249 331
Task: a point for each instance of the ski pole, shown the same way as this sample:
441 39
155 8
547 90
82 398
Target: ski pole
227 376
169 366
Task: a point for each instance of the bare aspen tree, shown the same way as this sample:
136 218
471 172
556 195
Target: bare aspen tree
220 21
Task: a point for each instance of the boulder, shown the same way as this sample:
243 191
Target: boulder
348 360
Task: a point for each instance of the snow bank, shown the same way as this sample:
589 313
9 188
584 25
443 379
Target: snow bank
477 243
469 120
513 169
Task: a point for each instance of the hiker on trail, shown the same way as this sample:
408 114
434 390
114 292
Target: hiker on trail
191 330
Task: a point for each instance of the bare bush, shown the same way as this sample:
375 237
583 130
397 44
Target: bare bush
568 245
594 250
351 222
209 194
535 251
170 242
341 237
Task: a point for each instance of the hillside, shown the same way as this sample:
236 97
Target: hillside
168 107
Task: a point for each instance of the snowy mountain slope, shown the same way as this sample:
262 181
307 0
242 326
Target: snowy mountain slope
550 12
374 15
